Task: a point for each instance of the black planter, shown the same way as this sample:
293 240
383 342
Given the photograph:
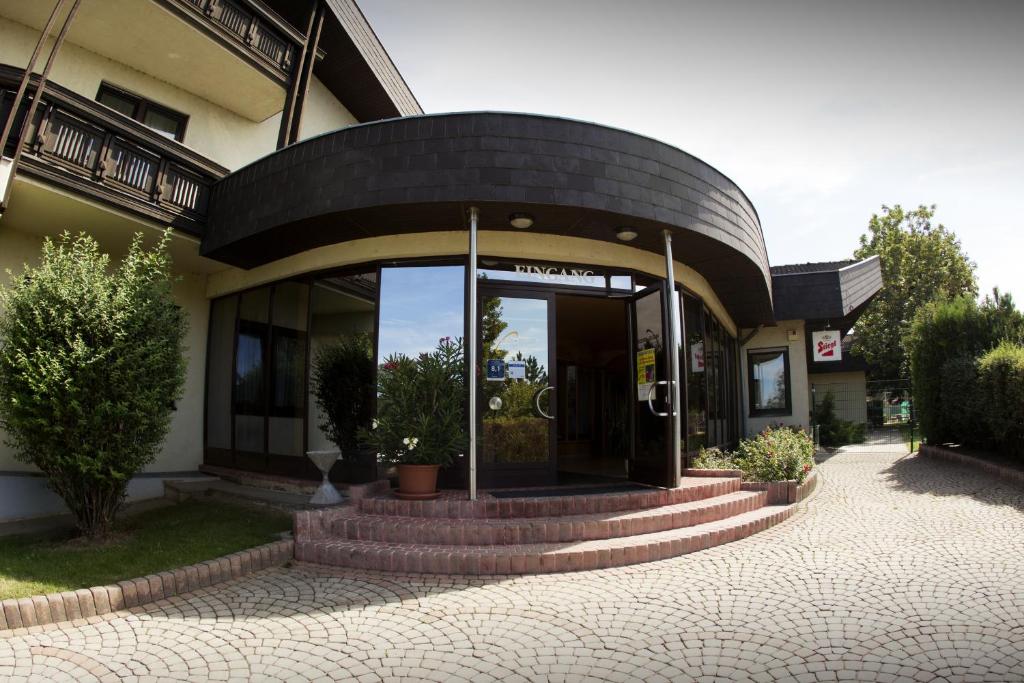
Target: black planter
357 468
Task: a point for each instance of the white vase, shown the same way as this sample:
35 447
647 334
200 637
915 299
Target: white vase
324 461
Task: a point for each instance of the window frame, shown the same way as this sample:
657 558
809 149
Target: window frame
769 412
142 106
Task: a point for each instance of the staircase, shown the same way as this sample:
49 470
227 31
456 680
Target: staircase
453 535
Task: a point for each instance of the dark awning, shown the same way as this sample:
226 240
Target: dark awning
421 173
836 291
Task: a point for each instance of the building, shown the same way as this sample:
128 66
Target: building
310 199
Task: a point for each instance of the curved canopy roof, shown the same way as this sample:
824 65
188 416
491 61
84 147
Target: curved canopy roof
421 173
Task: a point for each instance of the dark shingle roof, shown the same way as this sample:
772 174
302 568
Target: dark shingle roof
821 267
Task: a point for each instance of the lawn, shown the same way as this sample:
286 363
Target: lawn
145 543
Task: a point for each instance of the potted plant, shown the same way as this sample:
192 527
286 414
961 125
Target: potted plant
420 423
343 386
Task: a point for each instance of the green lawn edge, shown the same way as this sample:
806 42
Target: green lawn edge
145 543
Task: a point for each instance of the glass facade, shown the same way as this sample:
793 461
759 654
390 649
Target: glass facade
264 345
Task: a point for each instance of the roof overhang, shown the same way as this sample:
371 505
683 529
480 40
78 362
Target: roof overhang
419 174
835 294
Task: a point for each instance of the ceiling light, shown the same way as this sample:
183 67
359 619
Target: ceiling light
521 220
626 234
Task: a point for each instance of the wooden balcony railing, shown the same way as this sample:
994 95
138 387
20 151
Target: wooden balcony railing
252 24
84 146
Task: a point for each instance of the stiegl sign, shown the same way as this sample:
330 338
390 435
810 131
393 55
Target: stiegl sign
826 346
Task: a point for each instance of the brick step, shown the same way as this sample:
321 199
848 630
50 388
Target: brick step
539 558
457 505
517 531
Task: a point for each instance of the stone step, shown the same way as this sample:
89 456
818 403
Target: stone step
457 504
539 558
422 531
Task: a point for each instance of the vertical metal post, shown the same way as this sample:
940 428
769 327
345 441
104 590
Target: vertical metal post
36 97
471 308
674 349
29 68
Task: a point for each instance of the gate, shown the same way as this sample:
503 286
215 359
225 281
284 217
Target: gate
877 412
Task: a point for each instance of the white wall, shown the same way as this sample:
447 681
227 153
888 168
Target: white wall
322 112
849 391
778 337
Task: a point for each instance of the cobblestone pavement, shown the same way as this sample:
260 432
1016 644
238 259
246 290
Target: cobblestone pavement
900 568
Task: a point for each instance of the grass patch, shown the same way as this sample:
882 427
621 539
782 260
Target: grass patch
145 543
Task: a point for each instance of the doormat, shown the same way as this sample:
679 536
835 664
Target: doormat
569 491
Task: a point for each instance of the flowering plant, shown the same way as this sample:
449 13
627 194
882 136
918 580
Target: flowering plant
776 454
421 407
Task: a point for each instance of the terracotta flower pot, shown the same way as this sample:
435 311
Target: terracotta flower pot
417 482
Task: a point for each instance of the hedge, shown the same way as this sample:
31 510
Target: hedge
1001 387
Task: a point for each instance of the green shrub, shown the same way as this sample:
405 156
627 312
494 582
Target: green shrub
343 385
776 454
420 407
833 431
713 459
961 407
1001 380
955 329
91 363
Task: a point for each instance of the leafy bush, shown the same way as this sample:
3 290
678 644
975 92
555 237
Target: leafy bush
833 431
713 459
956 329
961 407
343 385
420 407
1001 380
777 454
91 362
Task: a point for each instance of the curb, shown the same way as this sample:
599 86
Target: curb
1006 473
39 610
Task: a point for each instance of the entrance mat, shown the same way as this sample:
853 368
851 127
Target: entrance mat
568 491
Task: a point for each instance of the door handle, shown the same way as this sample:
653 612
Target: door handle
536 401
650 398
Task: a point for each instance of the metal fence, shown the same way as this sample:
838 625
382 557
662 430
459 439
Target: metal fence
877 412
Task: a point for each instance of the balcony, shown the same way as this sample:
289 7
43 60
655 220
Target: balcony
82 146
249 25
237 54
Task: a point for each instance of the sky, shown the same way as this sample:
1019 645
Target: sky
821 111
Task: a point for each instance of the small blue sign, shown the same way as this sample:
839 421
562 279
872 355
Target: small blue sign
496 370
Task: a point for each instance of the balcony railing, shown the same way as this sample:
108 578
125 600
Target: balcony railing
83 145
252 24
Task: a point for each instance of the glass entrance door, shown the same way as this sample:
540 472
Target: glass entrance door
516 389
650 460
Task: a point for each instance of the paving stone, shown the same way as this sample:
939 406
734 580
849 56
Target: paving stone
900 568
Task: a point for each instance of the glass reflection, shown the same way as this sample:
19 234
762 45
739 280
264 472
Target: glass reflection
514 374
418 306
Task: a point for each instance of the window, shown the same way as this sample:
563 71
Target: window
768 377
166 122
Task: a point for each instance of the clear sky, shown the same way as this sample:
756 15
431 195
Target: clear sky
821 110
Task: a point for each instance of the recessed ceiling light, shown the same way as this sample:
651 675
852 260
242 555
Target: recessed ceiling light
521 220
626 234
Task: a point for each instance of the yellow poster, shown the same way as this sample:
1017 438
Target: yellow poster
646 372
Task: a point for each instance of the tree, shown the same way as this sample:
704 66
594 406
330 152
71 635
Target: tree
921 263
91 363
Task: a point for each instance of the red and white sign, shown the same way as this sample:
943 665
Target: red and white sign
697 357
826 346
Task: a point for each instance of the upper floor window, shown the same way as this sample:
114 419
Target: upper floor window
167 122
